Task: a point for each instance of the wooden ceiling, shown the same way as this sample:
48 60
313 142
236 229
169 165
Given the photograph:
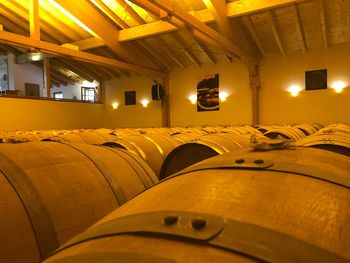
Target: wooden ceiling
103 39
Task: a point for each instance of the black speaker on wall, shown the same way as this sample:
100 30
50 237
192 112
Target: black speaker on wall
157 92
130 97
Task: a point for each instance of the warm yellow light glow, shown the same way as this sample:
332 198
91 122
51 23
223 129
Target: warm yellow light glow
115 105
35 57
88 84
338 86
223 95
294 90
145 102
76 20
193 98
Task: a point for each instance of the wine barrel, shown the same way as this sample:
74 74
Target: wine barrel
335 139
276 206
52 191
200 149
151 147
307 129
291 133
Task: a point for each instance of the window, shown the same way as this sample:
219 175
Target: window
58 95
88 94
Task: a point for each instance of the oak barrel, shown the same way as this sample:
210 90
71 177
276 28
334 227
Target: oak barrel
200 149
52 191
245 206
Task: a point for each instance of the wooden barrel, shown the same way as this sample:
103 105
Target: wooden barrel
200 149
335 139
307 129
152 148
291 133
52 191
276 206
185 137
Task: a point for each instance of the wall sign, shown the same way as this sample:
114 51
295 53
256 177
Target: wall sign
208 93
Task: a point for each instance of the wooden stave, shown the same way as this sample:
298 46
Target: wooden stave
92 186
194 192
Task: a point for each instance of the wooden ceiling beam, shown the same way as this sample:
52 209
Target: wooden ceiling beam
275 31
34 21
113 16
205 50
22 41
179 41
299 27
170 54
128 9
100 27
55 65
323 23
248 23
174 10
74 68
151 53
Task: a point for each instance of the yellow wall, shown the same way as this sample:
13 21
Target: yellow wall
233 79
131 115
324 106
25 114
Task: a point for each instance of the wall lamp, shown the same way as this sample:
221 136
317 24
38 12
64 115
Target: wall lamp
294 90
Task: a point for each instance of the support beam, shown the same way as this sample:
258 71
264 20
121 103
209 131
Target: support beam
276 34
99 26
248 23
34 21
47 77
323 23
173 57
22 41
102 92
299 27
174 10
187 51
113 16
255 85
205 50
166 103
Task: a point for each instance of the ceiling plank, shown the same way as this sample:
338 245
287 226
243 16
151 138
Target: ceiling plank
22 41
100 27
135 16
187 51
154 55
34 21
276 34
323 23
74 68
113 16
205 50
299 27
163 46
248 23
174 10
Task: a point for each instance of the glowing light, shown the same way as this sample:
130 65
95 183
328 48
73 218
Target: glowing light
294 90
115 105
35 57
223 96
145 102
338 86
193 98
89 84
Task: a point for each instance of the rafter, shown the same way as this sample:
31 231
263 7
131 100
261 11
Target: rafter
18 40
247 21
299 27
180 42
100 27
173 57
113 16
34 21
135 16
174 10
276 34
323 23
205 50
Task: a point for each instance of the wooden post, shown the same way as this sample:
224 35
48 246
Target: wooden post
165 104
47 77
101 92
255 84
